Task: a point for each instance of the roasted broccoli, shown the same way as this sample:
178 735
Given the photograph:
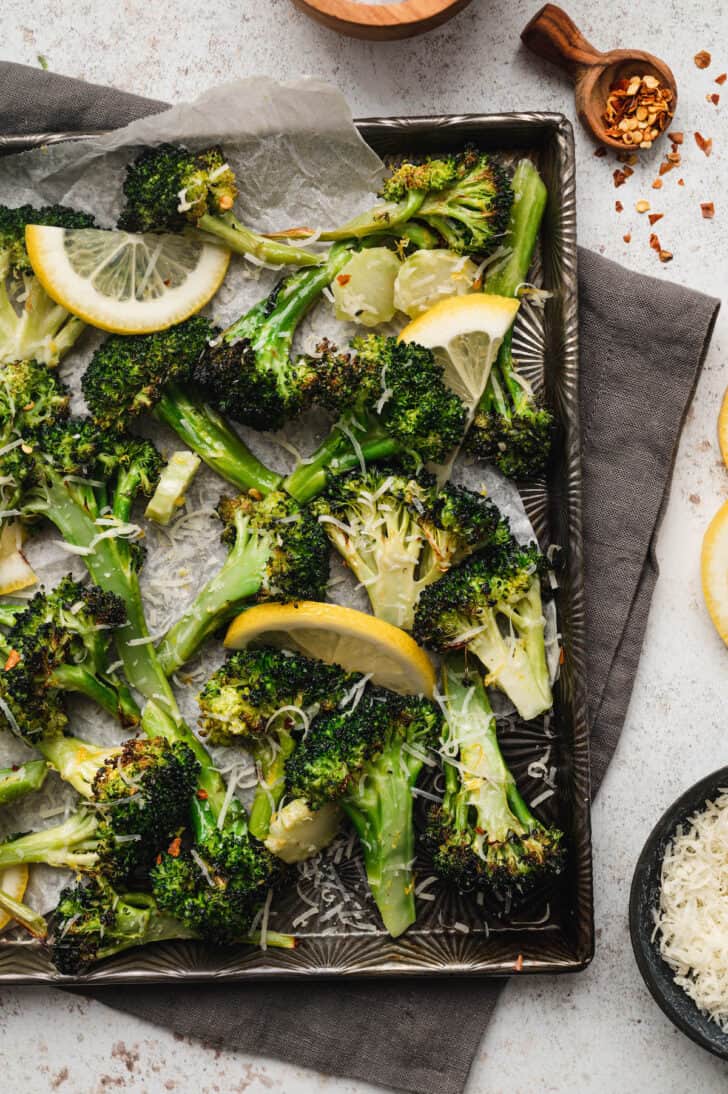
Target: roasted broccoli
248 372
265 699
483 835
491 606
59 643
512 428
92 921
32 326
152 373
169 188
398 533
402 408
465 199
138 800
367 756
277 552
21 779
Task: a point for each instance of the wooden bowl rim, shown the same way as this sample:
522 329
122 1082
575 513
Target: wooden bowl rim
402 14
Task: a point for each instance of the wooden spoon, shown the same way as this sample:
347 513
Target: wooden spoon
381 22
553 35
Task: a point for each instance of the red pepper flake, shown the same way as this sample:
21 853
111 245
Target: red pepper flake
519 963
654 217
681 182
665 256
620 177
600 152
627 237
175 847
722 78
676 137
158 860
655 243
657 184
702 59
344 279
713 98
705 144
664 167
202 795
562 656
13 658
707 208
618 207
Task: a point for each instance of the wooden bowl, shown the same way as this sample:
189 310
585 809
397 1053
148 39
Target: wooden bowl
381 22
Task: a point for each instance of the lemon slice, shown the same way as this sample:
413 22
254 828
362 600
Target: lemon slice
356 641
14 882
723 429
126 283
465 334
714 571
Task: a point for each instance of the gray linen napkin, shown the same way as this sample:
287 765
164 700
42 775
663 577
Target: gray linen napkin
643 343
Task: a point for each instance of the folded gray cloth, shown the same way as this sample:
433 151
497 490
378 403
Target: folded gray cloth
643 343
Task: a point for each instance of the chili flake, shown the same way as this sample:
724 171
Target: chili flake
654 217
722 78
707 208
705 144
702 59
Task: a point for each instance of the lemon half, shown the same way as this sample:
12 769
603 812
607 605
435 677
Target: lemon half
330 632
13 881
123 282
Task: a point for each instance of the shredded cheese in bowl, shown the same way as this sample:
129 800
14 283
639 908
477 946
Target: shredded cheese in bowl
691 922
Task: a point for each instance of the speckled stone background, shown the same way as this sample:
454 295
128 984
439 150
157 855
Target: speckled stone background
600 1031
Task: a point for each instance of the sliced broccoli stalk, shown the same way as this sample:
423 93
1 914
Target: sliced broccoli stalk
169 188
277 552
174 482
16 782
512 429
296 832
483 835
73 844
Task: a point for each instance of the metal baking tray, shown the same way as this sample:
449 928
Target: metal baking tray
454 935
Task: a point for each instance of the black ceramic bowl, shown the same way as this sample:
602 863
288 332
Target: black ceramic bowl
643 898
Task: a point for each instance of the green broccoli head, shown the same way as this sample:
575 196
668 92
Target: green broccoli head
70 446
455 521
256 689
169 187
517 444
295 549
471 213
31 397
433 174
127 374
13 222
404 382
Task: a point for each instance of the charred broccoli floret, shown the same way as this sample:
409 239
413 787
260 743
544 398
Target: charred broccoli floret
32 326
368 756
402 408
484 836
398 533
169 188
264 699
152 373
277 552
491 605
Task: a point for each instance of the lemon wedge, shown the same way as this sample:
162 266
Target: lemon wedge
122 282
714 571
13 881
723 429
465 334
330 632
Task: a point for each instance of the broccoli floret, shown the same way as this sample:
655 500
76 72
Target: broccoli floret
59 644
277 552
32 326
483 836
402 409
297 832
464 199
169 188
138 799
21 779
248 372
491 605
152 373
264 699
368 756
398 533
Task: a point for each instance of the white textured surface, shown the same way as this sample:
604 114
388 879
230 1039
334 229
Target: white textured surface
599 1032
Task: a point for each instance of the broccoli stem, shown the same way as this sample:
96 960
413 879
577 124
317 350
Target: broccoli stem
76 761
381 811
272 762
208 434
336 456
241 240
382 217
118 702
19 781
26 916
70 844
239 578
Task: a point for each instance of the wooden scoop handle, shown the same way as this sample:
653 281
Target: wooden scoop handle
553 35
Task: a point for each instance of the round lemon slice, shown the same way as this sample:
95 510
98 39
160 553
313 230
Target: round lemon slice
465 334
714 570
13 881
122 282
723 429
330 632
